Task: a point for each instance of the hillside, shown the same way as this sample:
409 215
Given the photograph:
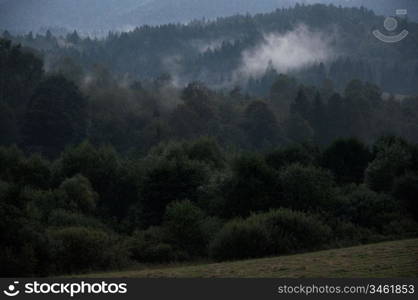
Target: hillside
387 259
102 15
231 51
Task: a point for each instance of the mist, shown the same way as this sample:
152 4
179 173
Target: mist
286 52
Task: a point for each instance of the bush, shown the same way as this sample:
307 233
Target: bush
167 181
80 249
307 188
253 187
183 223
405 189
367 208
62 218
392 160
79 194
240 239
276 232
290 155
347 159
291 231
150 246
206 150
34 171
348 234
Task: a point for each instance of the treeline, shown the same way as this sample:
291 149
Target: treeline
45 112
211 51
92 209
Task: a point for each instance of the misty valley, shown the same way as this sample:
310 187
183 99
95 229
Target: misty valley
186 138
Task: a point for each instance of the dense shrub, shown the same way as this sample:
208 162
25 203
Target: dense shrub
347 159
367 208
275 232
100 165
306 188
240 239
291 231
63 218
405 189
151 246
349 234
79 194
206 150
34 171
184 227
252 187
283 157
80 249
392 160
167 181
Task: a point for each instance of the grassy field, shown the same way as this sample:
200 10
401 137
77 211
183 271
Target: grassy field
387 259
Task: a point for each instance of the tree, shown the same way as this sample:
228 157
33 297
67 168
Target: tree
167 181
261 126
184 225
303 154
20 72
79 195
301 105
298 129
9 133
318 119
392 159
102 167
55 117
306 188
405 189
252 187
347 159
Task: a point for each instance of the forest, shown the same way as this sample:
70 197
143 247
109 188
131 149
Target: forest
219 52
101 170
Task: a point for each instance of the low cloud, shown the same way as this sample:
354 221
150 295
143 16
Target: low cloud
286 52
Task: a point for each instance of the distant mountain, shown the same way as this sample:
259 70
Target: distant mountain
104 15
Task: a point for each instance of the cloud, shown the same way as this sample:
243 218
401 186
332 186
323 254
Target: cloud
286 52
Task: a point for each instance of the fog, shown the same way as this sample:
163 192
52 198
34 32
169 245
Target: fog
286 52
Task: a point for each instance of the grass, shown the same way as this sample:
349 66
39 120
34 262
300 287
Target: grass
387 259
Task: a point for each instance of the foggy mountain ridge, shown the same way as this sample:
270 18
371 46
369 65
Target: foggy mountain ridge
104 15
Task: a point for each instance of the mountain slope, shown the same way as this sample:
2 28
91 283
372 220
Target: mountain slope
388 259
93 15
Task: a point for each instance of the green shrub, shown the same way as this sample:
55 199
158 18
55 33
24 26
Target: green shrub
290 155
167 181
80 249
150 246
393 158
405 189
240 239
183 223
347 159
62 218
292 231
367 208
348 234
79 194
276 232
252 187
307 188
